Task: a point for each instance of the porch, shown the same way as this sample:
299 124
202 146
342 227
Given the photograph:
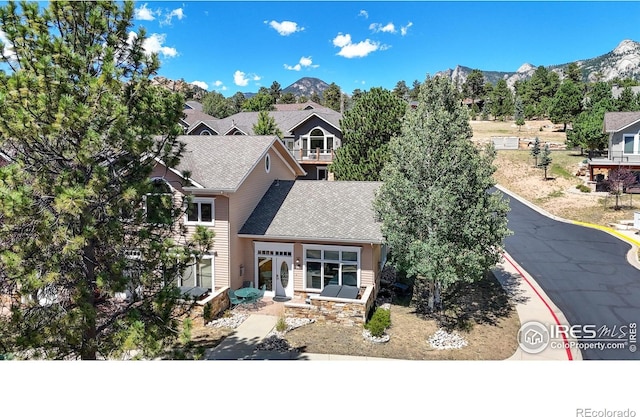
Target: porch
345 311
599 166
317 155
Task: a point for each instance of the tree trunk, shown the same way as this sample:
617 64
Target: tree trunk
88 350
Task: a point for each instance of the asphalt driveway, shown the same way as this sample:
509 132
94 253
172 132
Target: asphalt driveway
585 273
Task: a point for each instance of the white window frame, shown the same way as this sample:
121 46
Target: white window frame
198 278
322 261
199 201
326 173
306 141
267 163
636 146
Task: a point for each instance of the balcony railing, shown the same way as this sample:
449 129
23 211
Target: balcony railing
316 154
614 156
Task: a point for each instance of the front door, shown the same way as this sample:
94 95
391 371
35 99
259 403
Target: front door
283 279
274 268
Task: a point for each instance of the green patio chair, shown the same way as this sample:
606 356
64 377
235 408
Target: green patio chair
235 301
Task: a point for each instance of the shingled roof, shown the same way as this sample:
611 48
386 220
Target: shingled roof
223 162
286 120
616 121
317 211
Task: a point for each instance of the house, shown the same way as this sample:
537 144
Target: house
623 129
293 237
311 135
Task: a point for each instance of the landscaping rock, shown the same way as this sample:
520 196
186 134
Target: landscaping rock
231 322
275 343
442 340
368 336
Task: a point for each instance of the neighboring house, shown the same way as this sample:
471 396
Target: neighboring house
294 237
616 91
624 145
312 136
193 114
309 105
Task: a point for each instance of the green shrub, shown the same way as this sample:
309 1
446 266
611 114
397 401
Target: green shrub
583 188
281 324
207 312
380 321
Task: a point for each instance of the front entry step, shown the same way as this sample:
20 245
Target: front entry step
280 299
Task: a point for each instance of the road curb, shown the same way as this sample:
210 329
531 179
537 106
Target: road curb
535 306
632 255
635 243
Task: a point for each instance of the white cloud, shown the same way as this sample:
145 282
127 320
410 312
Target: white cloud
348 49
177 13
240 79
342 40
388 28
218 83
200 84
153 44
144 13
219 86
256 77
285 28
404 29
363 13
7 51
304 62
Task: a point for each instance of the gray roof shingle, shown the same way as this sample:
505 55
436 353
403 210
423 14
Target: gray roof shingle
286 120
222 162
317 210
614 121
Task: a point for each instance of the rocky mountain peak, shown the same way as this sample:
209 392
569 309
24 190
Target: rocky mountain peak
626 46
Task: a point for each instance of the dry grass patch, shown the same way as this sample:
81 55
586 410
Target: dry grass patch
559 196
491 322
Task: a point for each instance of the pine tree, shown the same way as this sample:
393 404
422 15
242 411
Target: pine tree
367 128
442 224
535 151
85 127
266 125
545 159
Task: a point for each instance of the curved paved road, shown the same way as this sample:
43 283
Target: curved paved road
584 271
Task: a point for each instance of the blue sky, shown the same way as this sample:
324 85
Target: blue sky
240 46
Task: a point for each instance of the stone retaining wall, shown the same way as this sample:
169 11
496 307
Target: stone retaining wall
219 301
344 311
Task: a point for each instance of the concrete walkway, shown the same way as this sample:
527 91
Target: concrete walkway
241 344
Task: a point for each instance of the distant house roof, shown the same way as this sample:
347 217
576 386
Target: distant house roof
616 121
617 91
309 105
222 163
193 105
316 210
286 120
192 116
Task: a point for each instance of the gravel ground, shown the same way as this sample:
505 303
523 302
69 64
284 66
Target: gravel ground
409 339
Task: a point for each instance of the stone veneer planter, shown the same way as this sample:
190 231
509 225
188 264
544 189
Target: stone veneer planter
344 311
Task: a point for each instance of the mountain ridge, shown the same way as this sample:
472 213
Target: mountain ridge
622 62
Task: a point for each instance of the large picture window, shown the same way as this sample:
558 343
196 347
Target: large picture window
201 211
327 265
198 274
